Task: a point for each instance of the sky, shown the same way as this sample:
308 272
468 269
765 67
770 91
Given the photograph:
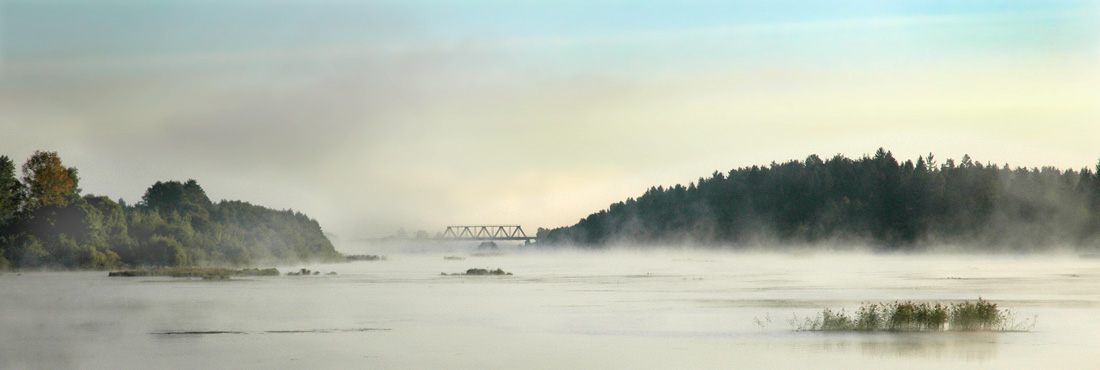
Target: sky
376 115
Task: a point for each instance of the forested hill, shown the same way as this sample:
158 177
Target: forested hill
874 200
45 222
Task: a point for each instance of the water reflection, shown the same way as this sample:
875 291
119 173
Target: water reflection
977 347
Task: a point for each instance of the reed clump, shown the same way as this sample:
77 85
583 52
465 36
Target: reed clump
910 316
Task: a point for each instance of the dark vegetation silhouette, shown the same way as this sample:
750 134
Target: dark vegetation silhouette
873 199
46 223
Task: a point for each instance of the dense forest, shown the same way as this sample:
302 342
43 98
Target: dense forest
46 223
874 200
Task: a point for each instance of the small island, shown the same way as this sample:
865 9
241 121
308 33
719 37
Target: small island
365 257
307 272
479 272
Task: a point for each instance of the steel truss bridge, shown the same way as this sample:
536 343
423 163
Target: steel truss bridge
485 232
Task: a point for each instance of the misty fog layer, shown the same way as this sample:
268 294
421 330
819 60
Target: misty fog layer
873 200
561 309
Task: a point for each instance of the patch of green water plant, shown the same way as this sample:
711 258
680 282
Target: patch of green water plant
911 316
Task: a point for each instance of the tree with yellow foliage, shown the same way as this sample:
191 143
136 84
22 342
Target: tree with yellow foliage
49 183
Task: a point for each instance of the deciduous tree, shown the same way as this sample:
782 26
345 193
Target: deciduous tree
49 183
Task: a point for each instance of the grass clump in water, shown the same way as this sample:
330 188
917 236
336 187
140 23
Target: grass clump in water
909 316
976 316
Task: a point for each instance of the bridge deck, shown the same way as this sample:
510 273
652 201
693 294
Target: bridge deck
511 238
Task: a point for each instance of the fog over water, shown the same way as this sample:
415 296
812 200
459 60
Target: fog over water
560 309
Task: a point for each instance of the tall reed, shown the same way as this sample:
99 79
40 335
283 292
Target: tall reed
911 316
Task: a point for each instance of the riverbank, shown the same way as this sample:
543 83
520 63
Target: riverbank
195 272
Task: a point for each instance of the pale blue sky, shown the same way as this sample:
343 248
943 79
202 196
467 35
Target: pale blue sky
373 115
68 28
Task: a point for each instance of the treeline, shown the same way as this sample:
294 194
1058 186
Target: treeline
873 199
45 222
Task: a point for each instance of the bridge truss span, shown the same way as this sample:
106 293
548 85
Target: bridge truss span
485 232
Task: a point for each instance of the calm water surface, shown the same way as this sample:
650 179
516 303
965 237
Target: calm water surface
649 310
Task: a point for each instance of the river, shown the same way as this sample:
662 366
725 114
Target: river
575 310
